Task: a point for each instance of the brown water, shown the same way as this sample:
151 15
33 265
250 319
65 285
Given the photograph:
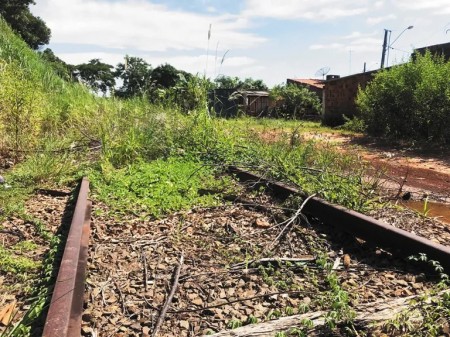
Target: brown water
435 209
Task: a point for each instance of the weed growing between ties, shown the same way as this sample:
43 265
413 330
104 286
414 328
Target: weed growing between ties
158 187
429 314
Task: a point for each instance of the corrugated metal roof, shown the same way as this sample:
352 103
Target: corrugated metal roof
309 81
253 92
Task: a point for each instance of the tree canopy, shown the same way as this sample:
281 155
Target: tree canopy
62 68
32 29
165 76
136 76
98 75
229 82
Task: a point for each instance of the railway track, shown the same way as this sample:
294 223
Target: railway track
66 306
220 281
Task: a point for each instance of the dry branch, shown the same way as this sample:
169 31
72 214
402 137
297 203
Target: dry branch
290 221
170 297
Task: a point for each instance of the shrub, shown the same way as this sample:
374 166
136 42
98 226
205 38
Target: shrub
410 101
294 102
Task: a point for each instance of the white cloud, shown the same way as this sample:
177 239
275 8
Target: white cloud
356 42
141 25
442 6
304 9
379 19
423 4
327 46
356 35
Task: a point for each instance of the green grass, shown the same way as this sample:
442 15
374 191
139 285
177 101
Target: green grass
158 187
281 125
15 264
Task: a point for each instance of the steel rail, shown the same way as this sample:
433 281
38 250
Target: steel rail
354 223
66 306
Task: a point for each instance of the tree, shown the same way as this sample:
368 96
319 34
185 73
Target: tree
251 84
228 82
32 29
294 102
165 76
136 76
98 75
63 69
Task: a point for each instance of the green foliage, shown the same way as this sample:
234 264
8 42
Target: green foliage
158 187
427 315
234 324
191 93
410 101
97 75
135 74
165 76
354 124
32 29
252 320
16 264
294 102
335 300
46 167
42 291
21 107
12 200
228 82
61 68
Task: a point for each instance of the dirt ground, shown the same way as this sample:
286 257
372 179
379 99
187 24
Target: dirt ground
224 281
421 171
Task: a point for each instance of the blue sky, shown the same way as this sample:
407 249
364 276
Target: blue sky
270 40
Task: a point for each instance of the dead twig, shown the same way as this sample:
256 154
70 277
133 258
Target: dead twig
402 183
293 292
273 260
122 299
144 262
170 297
15 233
291 220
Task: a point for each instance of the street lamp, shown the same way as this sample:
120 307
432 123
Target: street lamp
388 45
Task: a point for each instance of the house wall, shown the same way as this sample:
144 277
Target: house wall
339 96
439 49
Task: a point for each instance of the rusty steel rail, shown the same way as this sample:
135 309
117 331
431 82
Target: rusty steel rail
66 306
354 223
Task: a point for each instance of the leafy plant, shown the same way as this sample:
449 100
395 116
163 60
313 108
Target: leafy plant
293 102
158 187
234 324
409 101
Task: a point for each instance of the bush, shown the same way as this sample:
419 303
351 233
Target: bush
410 101
294 102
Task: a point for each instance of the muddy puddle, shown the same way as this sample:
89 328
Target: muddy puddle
437 210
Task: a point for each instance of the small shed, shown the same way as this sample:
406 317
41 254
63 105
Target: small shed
254 103
230 102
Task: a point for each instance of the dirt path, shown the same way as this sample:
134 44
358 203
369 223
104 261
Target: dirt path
420 172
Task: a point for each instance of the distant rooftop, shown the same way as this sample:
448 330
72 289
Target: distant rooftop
308 81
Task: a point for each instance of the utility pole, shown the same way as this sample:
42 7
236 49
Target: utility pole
385 46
